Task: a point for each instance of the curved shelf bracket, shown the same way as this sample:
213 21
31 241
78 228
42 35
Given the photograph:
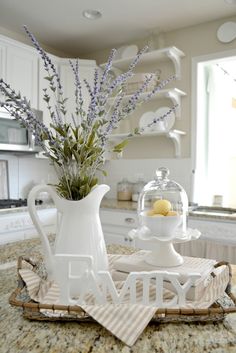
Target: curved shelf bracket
174 135
176 100
176 138
176 61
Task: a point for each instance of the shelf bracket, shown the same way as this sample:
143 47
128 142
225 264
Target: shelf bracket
176 140
176 61
174 135
176 100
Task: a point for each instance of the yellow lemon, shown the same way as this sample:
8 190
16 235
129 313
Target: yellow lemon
150 213
171 213
162 207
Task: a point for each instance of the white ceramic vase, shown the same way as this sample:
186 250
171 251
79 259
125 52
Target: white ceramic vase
79 232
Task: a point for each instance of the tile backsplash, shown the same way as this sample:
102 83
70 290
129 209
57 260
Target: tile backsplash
25 172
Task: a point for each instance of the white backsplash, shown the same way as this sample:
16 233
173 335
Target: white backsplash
25 172
180 171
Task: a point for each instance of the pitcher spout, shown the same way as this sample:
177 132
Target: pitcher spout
98 192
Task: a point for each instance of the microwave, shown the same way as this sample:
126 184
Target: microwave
14 137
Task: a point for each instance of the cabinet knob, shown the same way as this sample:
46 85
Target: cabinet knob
128 239
129 220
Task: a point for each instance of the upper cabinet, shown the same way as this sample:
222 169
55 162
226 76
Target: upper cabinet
19 67
86 71
23 69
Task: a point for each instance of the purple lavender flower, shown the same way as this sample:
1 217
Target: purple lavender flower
77 149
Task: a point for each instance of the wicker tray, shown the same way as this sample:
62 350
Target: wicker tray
31 309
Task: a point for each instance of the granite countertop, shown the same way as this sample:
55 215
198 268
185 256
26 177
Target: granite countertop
19 335
114 204
44 206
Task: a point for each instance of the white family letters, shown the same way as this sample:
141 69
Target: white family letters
139 287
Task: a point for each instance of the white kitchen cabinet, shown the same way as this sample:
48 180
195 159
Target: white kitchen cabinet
217 241
19 67
15 226
116 225
22 67
3 50
215 230
2 63
86 71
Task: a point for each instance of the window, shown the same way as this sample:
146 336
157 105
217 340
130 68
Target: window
215 131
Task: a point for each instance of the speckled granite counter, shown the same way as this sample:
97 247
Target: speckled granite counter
44 206
114 204
18 335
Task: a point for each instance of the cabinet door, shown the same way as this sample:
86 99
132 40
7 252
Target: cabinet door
120 239
111 238
3 51
215 230
116 226
86 71
22 72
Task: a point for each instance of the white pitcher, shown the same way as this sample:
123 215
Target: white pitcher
79 232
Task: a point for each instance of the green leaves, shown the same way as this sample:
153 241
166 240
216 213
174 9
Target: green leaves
77 157
136 131
119 148
75 188
49 78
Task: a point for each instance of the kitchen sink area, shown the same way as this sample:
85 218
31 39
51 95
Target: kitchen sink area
213 211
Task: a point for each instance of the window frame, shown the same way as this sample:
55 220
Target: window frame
196 61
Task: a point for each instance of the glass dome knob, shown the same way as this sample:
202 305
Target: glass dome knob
162 173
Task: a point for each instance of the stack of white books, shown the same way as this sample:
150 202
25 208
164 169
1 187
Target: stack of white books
136 262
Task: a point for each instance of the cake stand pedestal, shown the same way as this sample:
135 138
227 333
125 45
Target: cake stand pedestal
163 253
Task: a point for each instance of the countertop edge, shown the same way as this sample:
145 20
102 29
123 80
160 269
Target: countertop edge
124 206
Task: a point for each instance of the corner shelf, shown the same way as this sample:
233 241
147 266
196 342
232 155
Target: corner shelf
173 53
174 94
174 135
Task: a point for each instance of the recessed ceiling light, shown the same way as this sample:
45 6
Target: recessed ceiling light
92 14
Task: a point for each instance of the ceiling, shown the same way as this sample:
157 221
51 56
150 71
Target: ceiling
59 24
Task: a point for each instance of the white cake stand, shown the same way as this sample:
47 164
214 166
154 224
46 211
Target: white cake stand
163 253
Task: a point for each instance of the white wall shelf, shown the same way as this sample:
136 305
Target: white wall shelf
174 94
174 135
149 58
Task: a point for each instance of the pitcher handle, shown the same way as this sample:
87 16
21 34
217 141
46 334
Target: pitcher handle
36 221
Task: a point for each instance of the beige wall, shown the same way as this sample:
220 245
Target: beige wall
24 39
193 41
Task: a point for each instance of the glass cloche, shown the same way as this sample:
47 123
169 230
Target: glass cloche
163 207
